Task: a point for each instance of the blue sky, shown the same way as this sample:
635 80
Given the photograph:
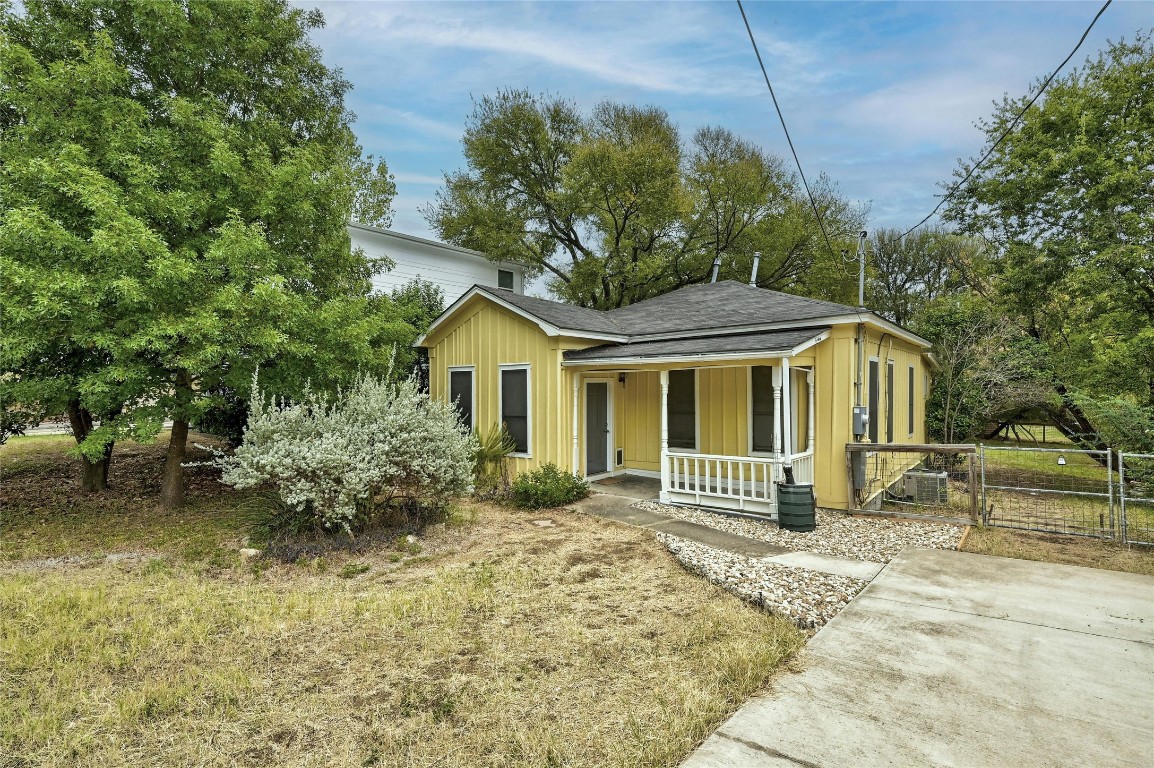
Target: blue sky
880 96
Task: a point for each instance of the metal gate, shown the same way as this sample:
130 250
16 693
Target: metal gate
1136 497
1056 490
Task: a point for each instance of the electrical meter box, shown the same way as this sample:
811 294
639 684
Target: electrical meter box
861 420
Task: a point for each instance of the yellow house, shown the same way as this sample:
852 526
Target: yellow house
715 389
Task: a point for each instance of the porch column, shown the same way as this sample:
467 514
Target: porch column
809 411
787 438
777 412
576 422
664 495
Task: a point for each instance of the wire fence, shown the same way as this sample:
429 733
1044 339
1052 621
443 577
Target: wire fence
1102 494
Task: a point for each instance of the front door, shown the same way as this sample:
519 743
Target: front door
596 427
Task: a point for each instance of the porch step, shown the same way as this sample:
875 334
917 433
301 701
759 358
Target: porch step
616 508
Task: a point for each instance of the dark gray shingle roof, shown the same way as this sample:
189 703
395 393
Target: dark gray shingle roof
561 315
727 304
773 341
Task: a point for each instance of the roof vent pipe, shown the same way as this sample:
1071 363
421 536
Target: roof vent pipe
753 275
716 268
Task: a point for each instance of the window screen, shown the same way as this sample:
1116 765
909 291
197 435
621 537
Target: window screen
890 401
875 387
505 279
515 406
461 395
910 399
682 411
762 415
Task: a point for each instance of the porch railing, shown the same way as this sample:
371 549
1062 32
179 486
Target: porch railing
743 483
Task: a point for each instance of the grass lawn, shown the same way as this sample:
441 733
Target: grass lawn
134 637
1068 550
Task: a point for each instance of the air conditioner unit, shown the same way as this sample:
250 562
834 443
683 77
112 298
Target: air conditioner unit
926 487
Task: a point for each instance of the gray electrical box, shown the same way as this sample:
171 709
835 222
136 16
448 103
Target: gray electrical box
861 420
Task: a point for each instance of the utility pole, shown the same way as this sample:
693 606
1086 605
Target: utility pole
861 240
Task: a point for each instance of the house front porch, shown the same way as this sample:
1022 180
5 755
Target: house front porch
712 433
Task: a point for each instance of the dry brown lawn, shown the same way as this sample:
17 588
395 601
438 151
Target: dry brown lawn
500 642
1067 550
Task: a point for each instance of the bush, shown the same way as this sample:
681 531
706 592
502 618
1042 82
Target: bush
380 445
547 486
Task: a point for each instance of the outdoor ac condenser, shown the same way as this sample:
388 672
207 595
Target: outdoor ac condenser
926 487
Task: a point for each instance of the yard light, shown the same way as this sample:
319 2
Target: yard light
1061 460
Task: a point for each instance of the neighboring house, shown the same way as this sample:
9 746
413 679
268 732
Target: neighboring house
454 269
712 388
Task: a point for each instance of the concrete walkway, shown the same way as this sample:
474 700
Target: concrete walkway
953 659
607 503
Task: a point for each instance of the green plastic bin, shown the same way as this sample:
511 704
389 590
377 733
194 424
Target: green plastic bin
795 507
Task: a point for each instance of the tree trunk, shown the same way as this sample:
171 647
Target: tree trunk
94 475
172 487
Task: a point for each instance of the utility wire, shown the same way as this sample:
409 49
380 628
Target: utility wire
780 117
1013 124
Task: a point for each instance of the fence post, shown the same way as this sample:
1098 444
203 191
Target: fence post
1110 489
1122 494
985 506
849 499
973 488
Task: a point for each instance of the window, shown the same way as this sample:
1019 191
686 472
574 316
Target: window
515 405
910 399
761 408
461 394
505 279
875 391
889 401
682 410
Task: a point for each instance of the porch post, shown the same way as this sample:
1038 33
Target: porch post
576 422
788 420
809 411
664 496
777 412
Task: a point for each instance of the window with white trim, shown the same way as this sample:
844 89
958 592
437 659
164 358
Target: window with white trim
462 394
515 405
889 401
910 400
875 387
505 279
681 413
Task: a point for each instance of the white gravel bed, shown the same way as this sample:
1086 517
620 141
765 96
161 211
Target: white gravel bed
873 539
807 598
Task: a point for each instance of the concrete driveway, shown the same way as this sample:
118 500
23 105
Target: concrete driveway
953 659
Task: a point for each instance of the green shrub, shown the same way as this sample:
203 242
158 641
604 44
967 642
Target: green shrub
547 486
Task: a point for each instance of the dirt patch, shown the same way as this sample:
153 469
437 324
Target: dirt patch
1067 550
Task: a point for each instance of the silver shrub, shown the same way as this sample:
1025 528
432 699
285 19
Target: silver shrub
347 456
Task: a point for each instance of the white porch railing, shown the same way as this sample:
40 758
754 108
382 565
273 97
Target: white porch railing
743 483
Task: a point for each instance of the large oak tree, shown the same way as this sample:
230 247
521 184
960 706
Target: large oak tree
613 208
176 180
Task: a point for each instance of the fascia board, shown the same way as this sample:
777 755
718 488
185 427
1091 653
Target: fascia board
670 359
869 317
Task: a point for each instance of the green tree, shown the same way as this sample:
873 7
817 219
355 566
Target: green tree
905 274
613 209
177 177
1067 201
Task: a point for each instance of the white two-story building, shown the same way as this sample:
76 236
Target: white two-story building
454 269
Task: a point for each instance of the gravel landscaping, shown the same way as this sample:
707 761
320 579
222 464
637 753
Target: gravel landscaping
808 598
873 539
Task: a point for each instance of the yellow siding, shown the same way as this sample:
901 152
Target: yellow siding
487 336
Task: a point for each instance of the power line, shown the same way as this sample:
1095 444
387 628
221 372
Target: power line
780 117
1014 124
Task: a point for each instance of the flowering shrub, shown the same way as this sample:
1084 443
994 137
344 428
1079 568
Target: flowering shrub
342 460
547 486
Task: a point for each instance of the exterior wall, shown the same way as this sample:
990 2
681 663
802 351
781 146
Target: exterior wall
454 269
487 336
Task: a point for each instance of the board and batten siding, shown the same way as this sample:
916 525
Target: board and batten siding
488 336
454 269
